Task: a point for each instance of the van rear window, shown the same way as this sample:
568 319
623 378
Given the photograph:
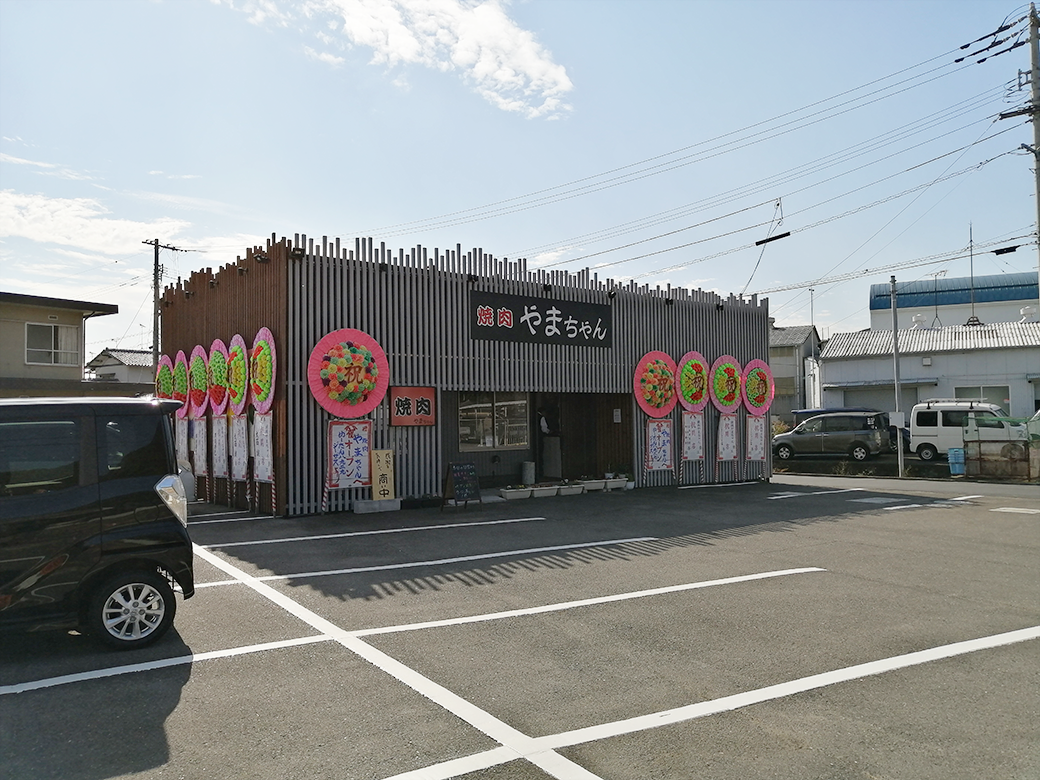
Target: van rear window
39 456
131 445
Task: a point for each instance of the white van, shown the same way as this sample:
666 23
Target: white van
938 424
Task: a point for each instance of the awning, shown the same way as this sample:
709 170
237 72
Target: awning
879 383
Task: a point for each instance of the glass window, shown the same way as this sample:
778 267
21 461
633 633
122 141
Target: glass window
813 426
39 457
132 445
493 421
837 424
927 419
994 394
986 419
954 418
51 344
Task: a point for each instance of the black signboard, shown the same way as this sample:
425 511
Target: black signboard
461 483
530 319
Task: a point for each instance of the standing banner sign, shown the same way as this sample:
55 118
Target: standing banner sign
199 447
239 448
182 440
659 445
693 436
756 438
727 440
383 475
263 449
219 434
349 454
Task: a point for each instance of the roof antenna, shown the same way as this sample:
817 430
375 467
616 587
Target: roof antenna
972 320
935 293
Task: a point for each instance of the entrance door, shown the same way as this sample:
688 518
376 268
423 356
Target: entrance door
595 433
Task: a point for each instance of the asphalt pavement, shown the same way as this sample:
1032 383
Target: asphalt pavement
808 627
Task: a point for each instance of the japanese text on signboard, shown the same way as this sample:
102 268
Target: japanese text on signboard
382 475
412 406
659 445
498 317
349 447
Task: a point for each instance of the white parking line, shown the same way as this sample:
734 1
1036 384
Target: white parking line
373 533
417 564
1017 510
903 506
582 603
487 759
516 743
779 496
162 663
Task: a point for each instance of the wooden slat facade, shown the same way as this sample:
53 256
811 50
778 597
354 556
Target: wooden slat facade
414 303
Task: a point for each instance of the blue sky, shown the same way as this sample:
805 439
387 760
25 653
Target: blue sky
655 140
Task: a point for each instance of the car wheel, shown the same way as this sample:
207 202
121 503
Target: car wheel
927 452
131 609
859 452
784 452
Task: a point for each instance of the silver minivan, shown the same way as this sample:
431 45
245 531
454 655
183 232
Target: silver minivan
856 434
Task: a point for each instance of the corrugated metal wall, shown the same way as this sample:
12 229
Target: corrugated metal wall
414 303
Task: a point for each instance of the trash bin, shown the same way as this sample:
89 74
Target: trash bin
956 458
527 473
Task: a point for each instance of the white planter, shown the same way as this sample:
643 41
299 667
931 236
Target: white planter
594 484
630 485
511 493
571 490
543 491
615 483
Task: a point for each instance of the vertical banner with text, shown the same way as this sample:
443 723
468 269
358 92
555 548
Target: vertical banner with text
383 475
659 445
349 454
693 436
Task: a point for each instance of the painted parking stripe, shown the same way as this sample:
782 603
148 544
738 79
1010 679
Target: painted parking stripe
906 506
1017 510
162 663
779 496
583 602
516 743
247 649
373 533
437 562
450 769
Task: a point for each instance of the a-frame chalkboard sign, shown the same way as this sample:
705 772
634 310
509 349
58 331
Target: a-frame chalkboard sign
461 484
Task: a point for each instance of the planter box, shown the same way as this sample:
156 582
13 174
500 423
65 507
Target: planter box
543 491
616 483
364 506
510 494
571 490
594 484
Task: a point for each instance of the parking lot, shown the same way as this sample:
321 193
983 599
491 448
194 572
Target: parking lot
811 627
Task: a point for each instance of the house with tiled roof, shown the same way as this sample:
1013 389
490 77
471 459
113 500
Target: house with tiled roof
123 365
789 349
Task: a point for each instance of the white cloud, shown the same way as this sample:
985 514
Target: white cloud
49 169
505 64
321 56
77 222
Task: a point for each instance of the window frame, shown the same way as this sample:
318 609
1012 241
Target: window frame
496 420
55 349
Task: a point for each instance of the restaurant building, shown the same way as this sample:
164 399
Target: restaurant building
303 359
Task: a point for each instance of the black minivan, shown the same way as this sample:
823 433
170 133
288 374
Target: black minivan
93 518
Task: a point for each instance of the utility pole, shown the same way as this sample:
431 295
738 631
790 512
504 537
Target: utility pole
156 279
1034 87
1032 110
898 421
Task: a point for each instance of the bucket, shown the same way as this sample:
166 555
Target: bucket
527 472
956 458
